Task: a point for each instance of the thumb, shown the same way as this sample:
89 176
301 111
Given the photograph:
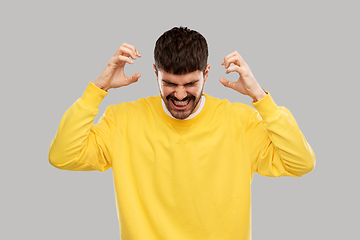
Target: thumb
227 83
133 78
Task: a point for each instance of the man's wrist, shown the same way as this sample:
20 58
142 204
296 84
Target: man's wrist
99 85
92 97
259 95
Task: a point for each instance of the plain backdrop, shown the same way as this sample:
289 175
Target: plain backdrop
305 53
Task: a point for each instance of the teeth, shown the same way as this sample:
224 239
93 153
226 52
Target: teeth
181 103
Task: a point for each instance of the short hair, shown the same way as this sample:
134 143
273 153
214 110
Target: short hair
180 51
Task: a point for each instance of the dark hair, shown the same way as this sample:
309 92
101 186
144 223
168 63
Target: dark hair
180 51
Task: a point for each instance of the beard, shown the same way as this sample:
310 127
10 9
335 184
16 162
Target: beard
181 111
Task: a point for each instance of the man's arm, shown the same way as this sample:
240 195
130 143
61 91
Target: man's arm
276 144
78 143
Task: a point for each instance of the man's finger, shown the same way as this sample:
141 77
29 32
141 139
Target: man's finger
133 49
127 52
125 59
138 53
235 58
242 62
226 59
234 68
118 59
227 83
133 78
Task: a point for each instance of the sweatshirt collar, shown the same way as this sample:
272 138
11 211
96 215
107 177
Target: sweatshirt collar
185 122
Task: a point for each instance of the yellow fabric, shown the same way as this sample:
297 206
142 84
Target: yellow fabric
182 179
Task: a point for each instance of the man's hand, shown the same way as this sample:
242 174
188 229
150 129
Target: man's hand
113 75
246 84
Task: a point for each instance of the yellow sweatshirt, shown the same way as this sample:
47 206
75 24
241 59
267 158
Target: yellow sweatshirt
182 179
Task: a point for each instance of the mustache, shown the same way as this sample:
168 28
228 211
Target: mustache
172 96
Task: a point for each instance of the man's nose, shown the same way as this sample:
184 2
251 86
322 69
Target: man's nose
180 92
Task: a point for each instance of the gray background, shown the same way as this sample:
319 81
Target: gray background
306 53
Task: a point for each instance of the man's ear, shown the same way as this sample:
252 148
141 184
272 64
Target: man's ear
206 74
155 71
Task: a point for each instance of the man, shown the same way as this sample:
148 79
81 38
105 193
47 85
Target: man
182 161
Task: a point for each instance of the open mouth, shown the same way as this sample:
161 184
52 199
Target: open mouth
180 105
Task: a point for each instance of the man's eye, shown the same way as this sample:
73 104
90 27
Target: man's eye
191 84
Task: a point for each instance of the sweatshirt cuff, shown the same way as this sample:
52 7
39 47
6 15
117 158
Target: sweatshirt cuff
93 96
267 108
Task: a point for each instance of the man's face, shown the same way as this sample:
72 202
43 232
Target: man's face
181 93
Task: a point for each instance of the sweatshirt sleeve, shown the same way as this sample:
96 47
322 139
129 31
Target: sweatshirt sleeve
79 145
277 145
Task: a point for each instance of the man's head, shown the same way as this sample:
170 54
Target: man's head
181 69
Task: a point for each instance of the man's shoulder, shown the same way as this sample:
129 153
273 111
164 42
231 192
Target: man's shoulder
231 112
226 104
140 105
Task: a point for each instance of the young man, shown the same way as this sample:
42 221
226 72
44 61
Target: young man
182 161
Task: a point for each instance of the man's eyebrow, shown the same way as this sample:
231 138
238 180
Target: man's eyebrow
167 81
191 82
